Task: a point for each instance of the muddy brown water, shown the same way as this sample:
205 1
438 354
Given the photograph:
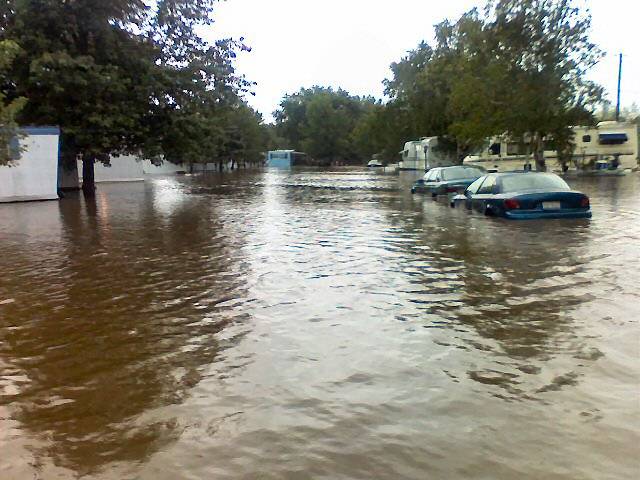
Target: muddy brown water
317 324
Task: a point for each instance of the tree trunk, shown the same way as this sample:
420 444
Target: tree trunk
538 154
88 176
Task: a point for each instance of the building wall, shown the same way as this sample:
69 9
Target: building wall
129 168
35 174
126 168
166 168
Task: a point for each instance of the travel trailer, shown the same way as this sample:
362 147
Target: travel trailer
424 155
412 156
609 147
434 157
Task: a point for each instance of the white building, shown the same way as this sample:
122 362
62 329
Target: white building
130 168
34 176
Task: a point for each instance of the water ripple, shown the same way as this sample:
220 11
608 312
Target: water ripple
316 324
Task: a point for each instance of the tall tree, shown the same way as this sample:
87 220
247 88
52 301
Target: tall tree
322 122
9 109
120 77
521 71
83 68
517 67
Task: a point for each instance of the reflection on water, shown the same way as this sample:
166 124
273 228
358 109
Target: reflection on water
316 324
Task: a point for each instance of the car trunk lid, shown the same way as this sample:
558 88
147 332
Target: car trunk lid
561 200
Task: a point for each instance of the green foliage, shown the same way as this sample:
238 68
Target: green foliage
323 123
121 77
521 69
518 67
383 130
9 109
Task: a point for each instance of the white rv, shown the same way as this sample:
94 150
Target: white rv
435 157
412 156
424 155
607 147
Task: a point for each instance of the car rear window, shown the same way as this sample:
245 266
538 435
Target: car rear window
533 181
430 175
461 173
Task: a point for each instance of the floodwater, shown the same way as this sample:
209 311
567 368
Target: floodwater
317 324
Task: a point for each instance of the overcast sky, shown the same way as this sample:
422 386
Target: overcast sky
351 43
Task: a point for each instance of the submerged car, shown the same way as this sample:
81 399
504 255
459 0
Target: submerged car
524 195
447 180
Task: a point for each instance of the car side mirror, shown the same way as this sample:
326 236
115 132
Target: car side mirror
420 181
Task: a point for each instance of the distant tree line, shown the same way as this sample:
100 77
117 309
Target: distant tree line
126 77
324 123
515 67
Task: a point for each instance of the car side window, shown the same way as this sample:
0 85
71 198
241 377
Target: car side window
487 185
473 188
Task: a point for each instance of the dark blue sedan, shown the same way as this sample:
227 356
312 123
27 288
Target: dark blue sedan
447 180
524 195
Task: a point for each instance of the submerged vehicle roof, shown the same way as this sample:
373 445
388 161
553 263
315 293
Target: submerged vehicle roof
529 181
458 166
522 172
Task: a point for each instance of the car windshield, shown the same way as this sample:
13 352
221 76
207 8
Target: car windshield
532 181
461 173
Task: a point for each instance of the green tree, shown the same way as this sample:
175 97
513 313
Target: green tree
119 77
517 67
9 109
419 92
83 68
520 69
322 122
419 89
251 134
382 130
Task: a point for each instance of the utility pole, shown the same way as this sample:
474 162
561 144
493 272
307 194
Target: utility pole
619 79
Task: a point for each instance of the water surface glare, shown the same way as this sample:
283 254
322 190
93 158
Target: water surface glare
317 324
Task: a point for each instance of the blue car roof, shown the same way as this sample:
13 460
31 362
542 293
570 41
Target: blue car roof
519 172
457 166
